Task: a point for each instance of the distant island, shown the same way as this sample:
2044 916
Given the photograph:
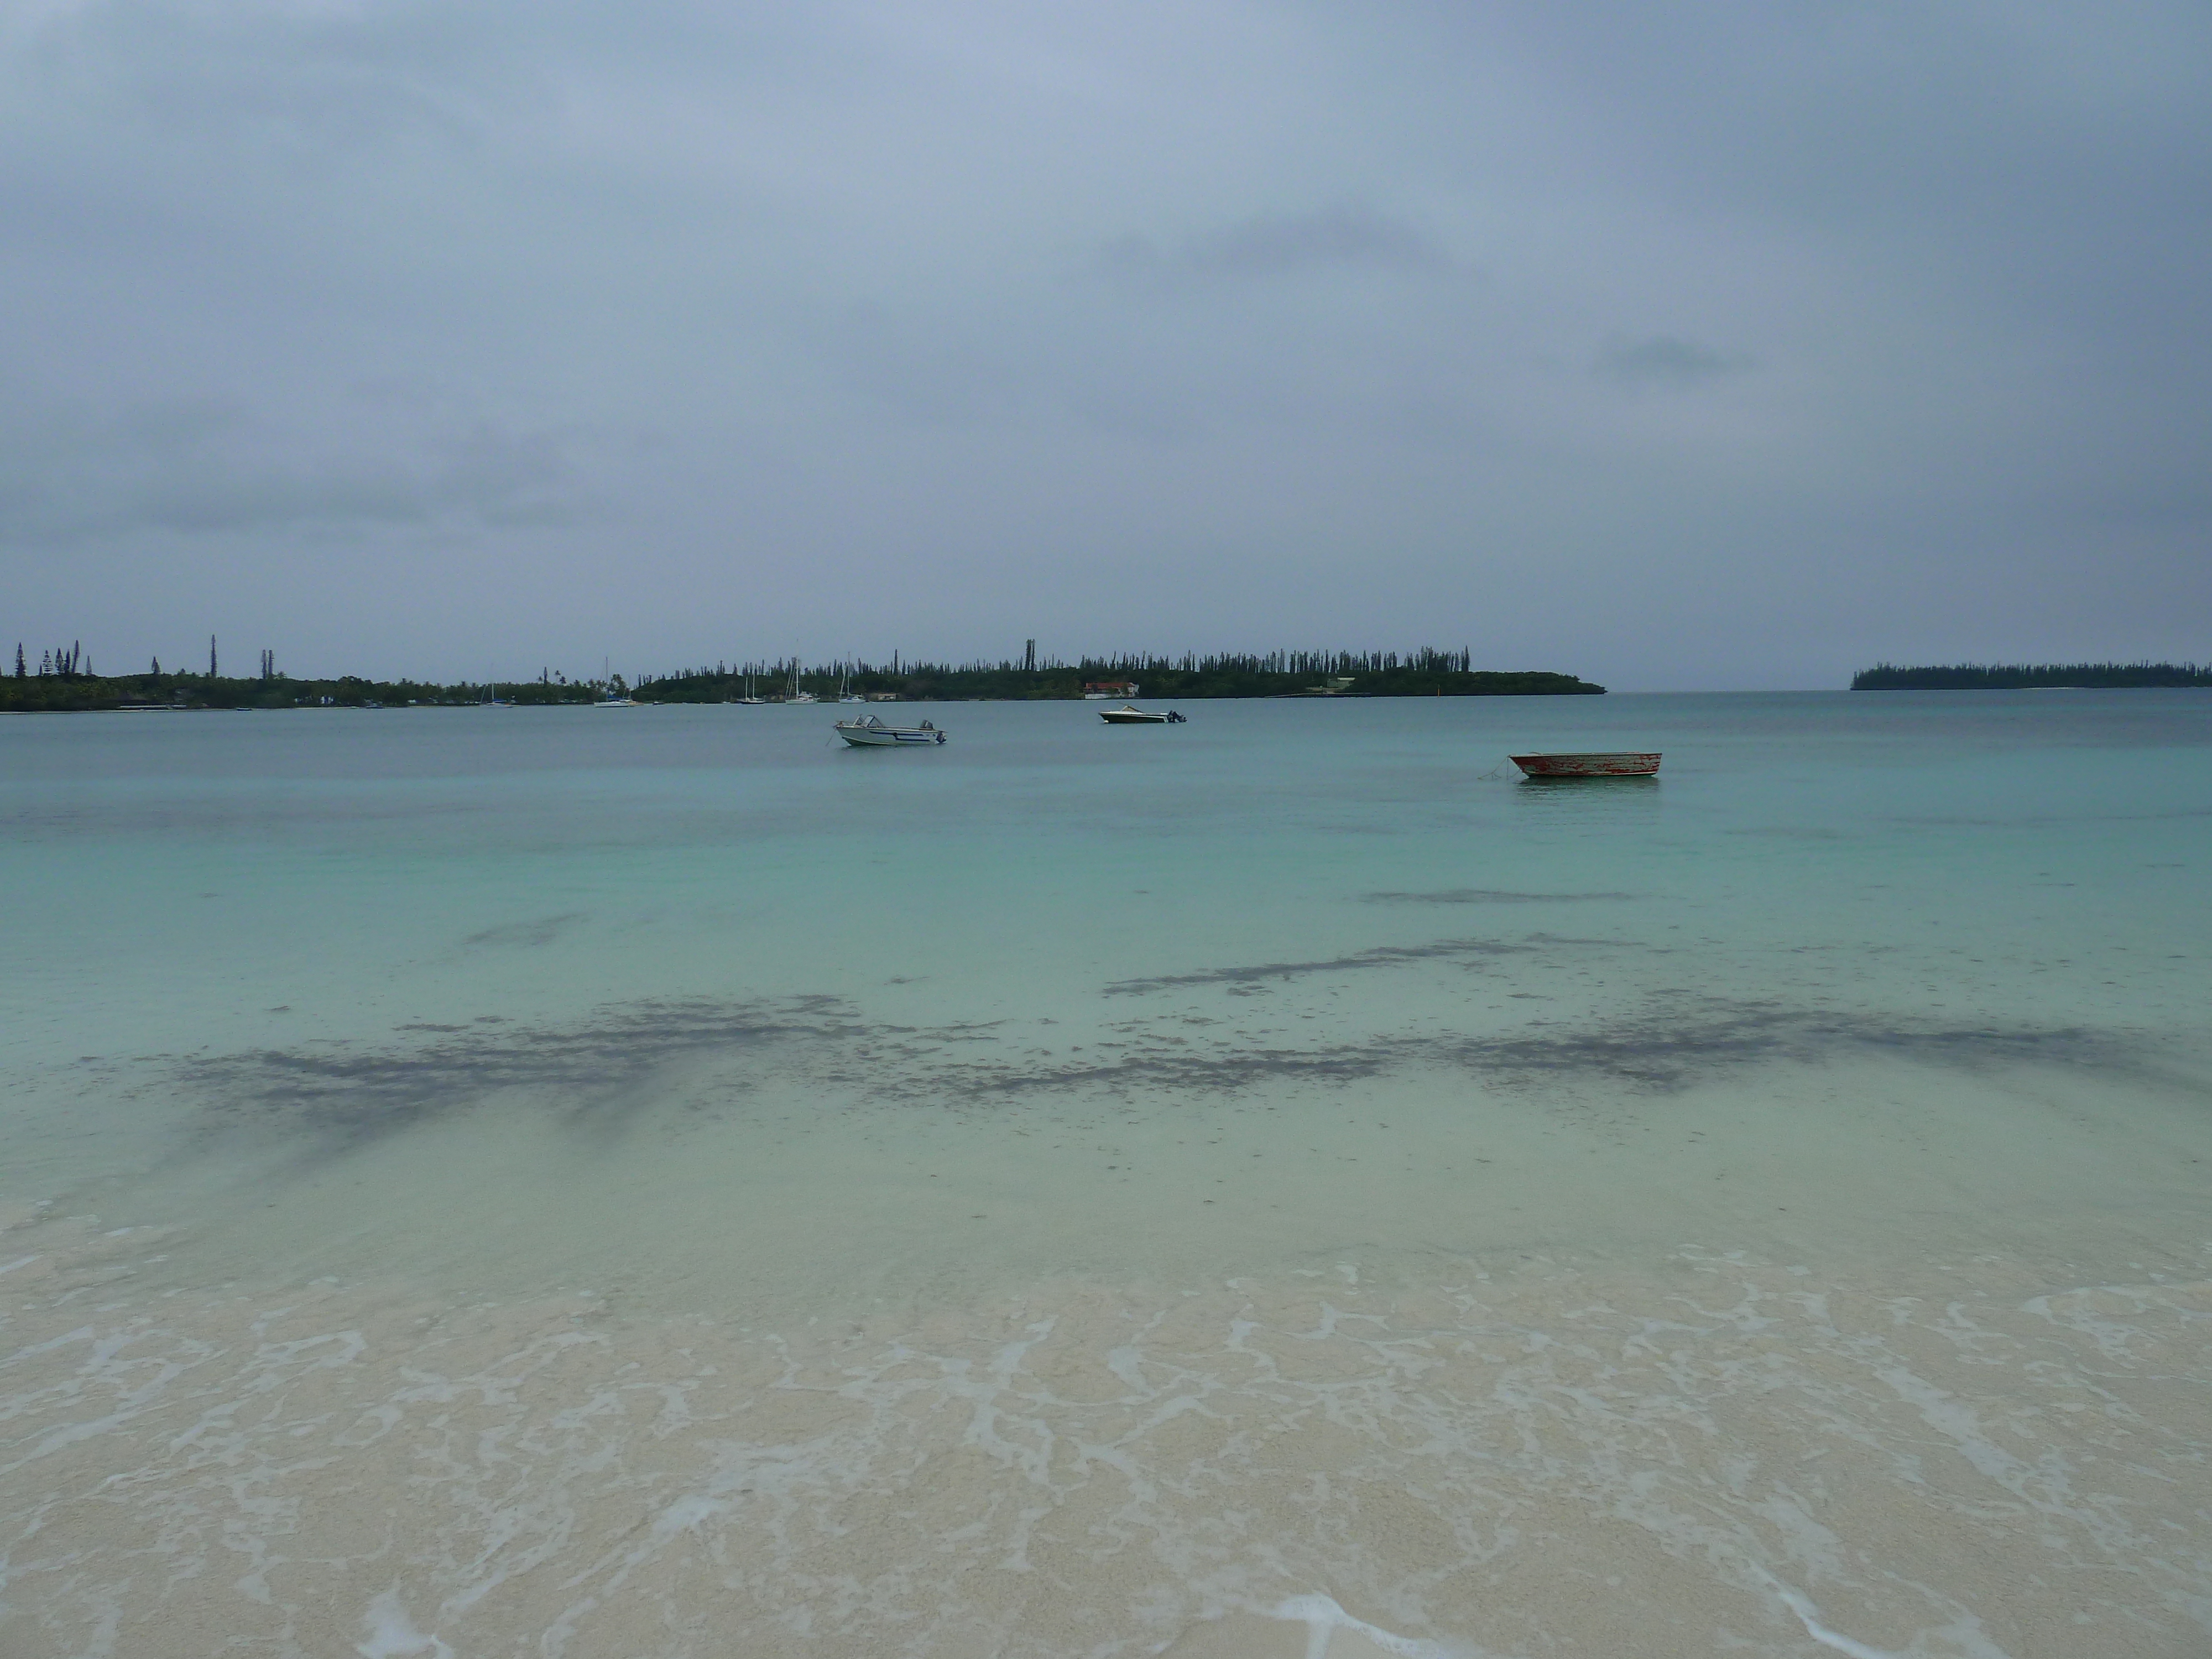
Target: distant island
63 680
2016 677
1280 674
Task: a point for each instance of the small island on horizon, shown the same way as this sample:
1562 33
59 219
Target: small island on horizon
2039 677
63 681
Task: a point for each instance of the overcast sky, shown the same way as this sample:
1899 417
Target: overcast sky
1676 346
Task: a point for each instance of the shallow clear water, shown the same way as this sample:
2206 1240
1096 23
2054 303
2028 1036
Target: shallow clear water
580 1180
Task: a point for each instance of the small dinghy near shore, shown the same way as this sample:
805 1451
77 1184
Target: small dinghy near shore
1130 715
1587 766
872 733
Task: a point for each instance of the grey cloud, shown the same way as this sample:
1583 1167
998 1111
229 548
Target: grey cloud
926 371
1273 246
1664 361
1033 304
180 469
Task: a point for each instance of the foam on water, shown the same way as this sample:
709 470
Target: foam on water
489 1184
392 1635
1463 1458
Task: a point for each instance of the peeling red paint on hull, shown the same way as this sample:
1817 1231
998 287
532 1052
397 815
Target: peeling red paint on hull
1587 766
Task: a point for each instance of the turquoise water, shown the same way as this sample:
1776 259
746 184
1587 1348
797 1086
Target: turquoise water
1040 1194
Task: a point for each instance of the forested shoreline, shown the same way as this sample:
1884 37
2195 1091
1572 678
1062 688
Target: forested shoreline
2037 677
59 683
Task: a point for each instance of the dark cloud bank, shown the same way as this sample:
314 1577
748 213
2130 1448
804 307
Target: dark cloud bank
1778 342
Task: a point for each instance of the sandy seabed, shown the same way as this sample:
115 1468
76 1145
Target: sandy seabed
1422 1456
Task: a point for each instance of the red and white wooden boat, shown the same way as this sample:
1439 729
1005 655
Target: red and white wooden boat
1586 766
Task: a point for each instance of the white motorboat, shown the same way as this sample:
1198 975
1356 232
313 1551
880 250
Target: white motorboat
872 733
1130 715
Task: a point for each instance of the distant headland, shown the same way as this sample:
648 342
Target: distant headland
2039 677
63 680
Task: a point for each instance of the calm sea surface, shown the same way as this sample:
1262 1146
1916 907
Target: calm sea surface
578 1182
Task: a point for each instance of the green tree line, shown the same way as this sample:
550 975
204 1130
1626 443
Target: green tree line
2024 676
1283 673
57 690
63 681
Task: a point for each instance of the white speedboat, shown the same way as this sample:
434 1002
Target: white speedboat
872 733
1130 715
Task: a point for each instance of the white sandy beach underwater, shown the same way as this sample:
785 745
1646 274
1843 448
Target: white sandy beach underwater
488 1184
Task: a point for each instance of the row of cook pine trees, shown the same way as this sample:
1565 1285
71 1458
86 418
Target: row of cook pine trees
64 679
